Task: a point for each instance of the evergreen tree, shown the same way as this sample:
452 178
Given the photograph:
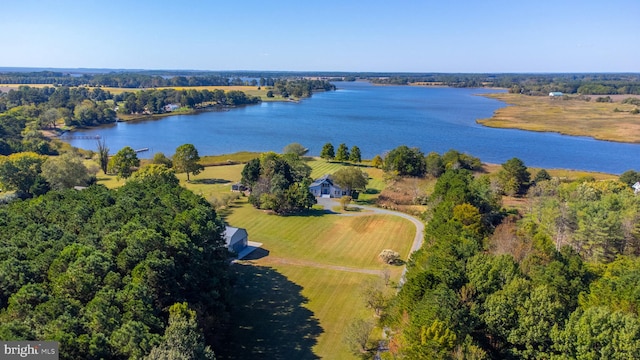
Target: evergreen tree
343 153
327 152
354 155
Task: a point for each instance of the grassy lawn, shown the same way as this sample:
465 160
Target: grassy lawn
299 311
571 117
293 312
353 241
213 180
289 305
224 159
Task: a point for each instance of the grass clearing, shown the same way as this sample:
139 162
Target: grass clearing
353 241
572 117
298 311
302 312
228 159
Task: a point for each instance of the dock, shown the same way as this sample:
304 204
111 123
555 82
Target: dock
79 137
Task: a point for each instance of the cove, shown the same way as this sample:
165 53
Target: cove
376 119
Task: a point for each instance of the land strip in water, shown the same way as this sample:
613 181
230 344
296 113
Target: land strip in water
612 121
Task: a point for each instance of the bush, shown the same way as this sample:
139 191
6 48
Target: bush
389 256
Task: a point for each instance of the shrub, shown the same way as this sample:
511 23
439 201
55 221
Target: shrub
389 256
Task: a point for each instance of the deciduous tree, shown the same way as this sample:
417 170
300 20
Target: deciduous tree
161 159
351 179
345 201
405 161
182 338
186 160
20 171
377 161
295 148
356 335
103 155
123 162
66 171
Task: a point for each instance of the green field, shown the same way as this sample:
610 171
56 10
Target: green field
353 241
295 298
292 312
299 262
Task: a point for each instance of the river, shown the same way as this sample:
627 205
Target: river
376 119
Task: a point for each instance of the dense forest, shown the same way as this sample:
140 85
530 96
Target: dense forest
115 274
558 279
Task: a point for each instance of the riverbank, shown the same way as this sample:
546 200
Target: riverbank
602 121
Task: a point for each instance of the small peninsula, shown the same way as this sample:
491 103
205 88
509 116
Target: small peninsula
612 120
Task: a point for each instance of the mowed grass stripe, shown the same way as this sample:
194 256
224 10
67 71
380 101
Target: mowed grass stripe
330 239
335 300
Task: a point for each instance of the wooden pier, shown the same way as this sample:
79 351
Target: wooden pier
79 137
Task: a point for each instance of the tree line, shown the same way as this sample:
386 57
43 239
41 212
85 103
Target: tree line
529 84
147 79
555 280
25 111
132 273
156 101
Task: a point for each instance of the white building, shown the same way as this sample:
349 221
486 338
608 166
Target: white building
236 239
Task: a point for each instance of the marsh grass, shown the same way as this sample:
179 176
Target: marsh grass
571 117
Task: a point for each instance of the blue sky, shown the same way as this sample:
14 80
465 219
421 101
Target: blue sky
328 35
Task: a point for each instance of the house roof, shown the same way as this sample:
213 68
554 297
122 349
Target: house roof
320 181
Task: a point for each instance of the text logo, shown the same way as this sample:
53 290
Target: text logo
41 350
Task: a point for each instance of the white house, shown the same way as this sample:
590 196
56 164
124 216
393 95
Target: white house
236 239
325 187
171 107
636 187
555 94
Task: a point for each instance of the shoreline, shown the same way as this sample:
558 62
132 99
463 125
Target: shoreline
611 122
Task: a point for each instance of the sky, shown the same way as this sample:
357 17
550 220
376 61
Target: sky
491 36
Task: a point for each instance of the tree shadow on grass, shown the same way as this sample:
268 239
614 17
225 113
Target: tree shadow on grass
310 213
268 319
256 254
210 181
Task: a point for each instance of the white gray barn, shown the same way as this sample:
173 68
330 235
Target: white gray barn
236 239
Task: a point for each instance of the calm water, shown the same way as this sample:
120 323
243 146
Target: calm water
376 119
